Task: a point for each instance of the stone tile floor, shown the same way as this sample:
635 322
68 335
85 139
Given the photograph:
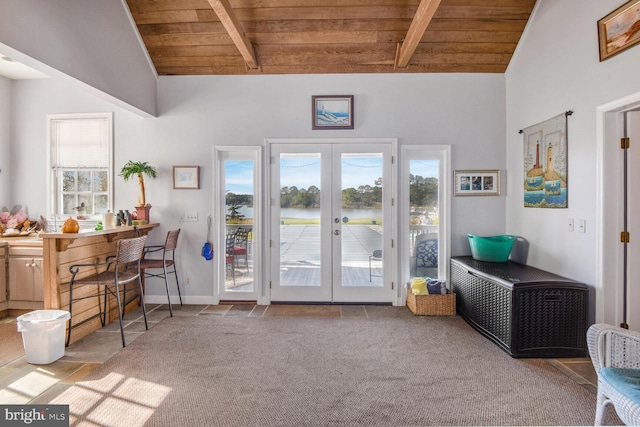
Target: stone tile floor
24 383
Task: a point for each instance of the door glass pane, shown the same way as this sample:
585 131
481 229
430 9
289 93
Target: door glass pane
423 220
300 188
361 218
239 191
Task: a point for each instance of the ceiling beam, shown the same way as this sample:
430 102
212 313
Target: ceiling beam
230 21
421 20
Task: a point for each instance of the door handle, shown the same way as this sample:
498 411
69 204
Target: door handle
336 232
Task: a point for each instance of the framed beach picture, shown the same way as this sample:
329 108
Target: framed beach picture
332 112
619 30
476 183
186 177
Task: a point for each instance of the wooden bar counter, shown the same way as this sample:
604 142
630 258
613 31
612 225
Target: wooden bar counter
61 250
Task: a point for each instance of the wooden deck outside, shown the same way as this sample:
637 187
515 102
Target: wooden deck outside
300 256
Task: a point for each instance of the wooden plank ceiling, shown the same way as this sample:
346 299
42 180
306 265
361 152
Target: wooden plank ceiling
207 37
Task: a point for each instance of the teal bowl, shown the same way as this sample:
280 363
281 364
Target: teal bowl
491 248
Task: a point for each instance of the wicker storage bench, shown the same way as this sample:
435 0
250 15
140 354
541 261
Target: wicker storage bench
526 311
432 305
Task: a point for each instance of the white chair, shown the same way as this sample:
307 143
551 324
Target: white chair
615 353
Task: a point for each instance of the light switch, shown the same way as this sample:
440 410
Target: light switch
582 226
570 225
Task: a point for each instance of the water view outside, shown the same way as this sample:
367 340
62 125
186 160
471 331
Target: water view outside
362 222
239 176
360 219
300 228
423 219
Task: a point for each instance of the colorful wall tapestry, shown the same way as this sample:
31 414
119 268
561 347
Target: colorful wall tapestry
545 163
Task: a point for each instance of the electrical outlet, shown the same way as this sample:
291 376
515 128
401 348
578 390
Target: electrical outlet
191 216
570 225
188 280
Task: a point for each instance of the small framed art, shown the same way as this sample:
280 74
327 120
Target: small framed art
619 30
186 177
476 183
332 112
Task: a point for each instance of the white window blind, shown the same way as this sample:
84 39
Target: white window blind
81 143
80 164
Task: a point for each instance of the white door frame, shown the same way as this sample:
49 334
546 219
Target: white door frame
390 263
609 253
218 218
443 154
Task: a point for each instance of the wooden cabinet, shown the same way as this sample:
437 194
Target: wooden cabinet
64 249
526 311
25 274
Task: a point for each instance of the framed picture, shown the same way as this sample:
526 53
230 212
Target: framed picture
619 30
332 112
477 183
186 177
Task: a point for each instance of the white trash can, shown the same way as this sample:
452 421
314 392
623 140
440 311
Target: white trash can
43 334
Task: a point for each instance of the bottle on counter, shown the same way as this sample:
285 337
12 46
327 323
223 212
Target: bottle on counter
119 218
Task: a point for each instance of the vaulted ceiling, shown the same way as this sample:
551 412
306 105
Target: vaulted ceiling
207 37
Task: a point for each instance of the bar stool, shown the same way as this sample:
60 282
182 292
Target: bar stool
126 269
167 261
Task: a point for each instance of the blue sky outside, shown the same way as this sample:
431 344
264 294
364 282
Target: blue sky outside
239 176
305 171
424 168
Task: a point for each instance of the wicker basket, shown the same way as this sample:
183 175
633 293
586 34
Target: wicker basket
432 305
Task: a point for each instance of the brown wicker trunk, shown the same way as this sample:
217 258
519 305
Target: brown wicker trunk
432 305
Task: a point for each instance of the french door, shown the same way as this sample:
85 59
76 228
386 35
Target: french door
633 210
331 222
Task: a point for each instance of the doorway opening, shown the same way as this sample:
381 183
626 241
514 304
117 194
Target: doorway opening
617 280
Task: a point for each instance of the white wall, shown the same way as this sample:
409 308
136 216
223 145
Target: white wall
556 68
5 141
465 111
92 41
195 113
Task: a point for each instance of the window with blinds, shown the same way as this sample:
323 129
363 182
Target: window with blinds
81 164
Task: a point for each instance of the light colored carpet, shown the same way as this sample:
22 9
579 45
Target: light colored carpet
11 340
282 371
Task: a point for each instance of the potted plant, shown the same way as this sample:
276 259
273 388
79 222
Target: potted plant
139 169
